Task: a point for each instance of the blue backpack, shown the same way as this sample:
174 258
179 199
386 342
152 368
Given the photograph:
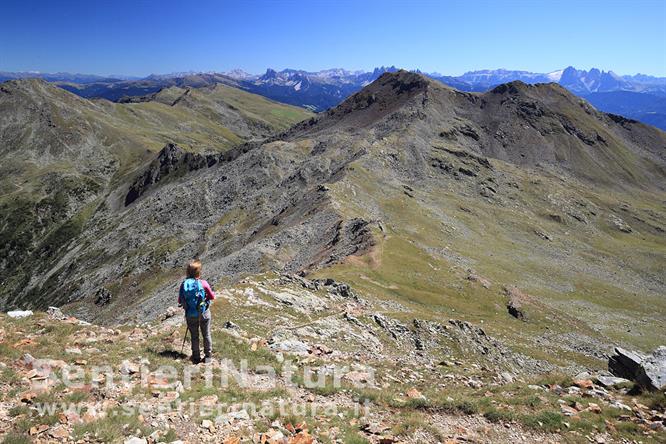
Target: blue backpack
194 298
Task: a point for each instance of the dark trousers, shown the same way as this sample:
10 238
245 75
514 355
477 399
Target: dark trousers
202 322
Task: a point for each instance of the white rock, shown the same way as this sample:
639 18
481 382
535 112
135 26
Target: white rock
295 347
582 375
222 420
129 368
171 312
17 314
474 383
28 360
240 415
621 406
507 377
573 390
135 440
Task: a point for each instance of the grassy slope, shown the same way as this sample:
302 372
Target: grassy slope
590 279
256 108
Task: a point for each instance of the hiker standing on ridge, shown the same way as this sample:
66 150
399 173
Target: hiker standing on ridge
195 296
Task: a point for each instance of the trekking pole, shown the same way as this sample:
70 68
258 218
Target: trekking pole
184 339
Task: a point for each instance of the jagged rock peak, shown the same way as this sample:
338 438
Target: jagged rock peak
385 94
403 81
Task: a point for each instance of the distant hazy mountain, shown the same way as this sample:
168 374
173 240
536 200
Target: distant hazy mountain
63 77
494 77
239 74
645 79
314 90
123 90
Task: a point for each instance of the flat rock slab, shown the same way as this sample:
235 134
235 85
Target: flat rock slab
611 381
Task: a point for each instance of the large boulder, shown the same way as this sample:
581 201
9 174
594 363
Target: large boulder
515 303
56 314
648 371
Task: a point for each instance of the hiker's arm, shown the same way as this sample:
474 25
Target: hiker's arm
210 295
180 295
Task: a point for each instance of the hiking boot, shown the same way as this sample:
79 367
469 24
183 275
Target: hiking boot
195 359
208 360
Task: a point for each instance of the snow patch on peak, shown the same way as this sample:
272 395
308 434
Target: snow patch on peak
239 74
555 76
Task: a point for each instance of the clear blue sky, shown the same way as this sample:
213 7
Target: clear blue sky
141 37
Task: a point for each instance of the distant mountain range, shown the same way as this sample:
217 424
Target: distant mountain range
575 80
317 91
64 77
639 96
